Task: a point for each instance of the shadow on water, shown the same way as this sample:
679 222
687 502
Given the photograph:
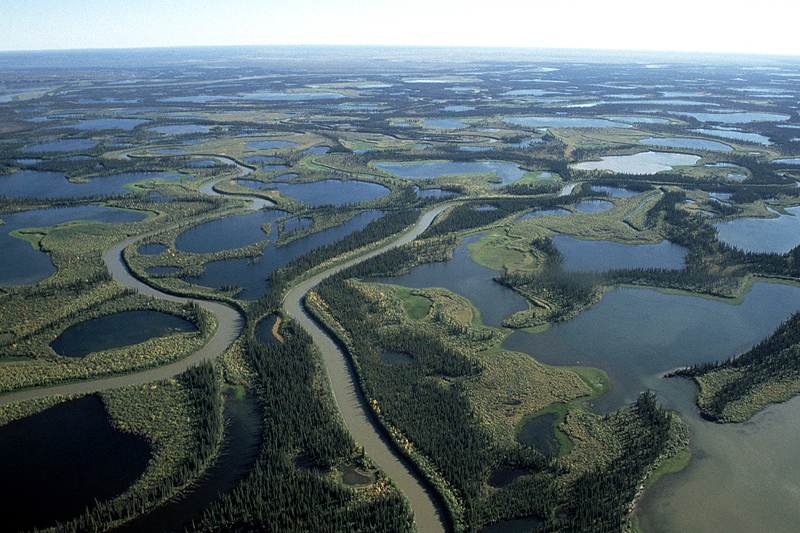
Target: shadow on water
240 448
57 462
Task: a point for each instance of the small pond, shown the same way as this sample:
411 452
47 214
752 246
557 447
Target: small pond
601 256
791 161
263 330
251 184
615 192
507 172
641 163
537 433
593 206
114 331
333 192
71 445
151 249
206 163
434 193
687 142
21 263
736 135
777 235
259 159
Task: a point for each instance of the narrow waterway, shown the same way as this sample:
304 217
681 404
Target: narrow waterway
429 516
366 432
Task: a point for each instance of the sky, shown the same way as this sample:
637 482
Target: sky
733 26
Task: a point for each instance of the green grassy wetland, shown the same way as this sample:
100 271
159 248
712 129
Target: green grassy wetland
208 202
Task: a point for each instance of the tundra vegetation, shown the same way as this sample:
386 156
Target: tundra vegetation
435 377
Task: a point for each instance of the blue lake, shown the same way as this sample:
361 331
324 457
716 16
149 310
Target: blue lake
20 263
580 255
68 456
117 330
68 145
333 192
463 276
777 235
227 233
36 184
508 172
252 275
593 206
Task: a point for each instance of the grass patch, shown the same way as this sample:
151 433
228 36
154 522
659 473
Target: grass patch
415 306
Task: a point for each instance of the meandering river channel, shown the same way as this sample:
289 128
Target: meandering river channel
429 517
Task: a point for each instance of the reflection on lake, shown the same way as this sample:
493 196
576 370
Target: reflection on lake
777 235
114 331
67 456
601 256
68 145
251 276
36 184
21 263
687 142
463 276
333 192
508 172
227 233
594 206
641 163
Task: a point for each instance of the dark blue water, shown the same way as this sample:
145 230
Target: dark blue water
606 255
463 276
252 275
333 192
240 448
20 263
151 249
114 331
68 145
229 233
57 462
33 183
